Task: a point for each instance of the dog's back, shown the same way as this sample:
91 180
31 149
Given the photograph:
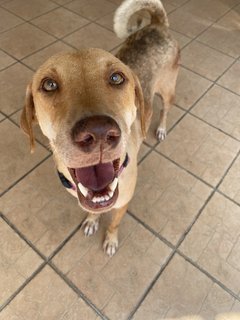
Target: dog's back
151 53
149 48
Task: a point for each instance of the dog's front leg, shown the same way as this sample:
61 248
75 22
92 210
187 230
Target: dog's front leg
110 244
90 224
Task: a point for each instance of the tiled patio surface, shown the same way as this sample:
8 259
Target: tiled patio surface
179 249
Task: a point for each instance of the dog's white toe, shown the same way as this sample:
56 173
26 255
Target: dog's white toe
161 134
110 246
90 226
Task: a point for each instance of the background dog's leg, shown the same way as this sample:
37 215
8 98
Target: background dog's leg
166 88
110 244
161 132
90 224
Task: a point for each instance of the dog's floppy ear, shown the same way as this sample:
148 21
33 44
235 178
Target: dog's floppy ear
28 117
139 102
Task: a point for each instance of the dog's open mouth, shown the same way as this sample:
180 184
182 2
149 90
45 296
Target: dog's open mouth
97 186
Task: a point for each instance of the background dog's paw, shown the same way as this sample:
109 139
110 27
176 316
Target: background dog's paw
90 226
161 134
110 245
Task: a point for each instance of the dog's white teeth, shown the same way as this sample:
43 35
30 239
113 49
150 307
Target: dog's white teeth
94 199
113 185
100 199
107 198
110 193
83 189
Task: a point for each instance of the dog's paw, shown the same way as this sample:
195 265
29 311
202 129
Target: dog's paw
90 226
161 134
110 245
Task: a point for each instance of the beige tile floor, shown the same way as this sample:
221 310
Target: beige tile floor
179 249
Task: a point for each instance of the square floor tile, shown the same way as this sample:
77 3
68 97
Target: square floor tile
79 309
114 284
182 290
18 261
8 20
230 79
47 296
224 35
173 116
181 39
187 23
176 3
60 22
10 83
91 9
61 2
169 6
172 197
214 242
36 129
144 149
24 40
2 117
231 19
29 9
190 87
223 39
220 108
15 154
204 60
201 149
106 21
37 59
209 9
93 36
230 185
42 208
5 60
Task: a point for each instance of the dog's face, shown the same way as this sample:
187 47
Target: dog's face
86 103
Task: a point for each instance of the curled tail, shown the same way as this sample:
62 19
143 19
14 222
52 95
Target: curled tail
130 7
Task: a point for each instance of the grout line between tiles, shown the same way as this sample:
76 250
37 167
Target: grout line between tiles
183 238
197 36
188 111
77 290
23 176
19 233
152 147
64 242
26 20
38 141
206 202
211 125
227 197
149 288
220 85
219 283
207 45
184 169
28 280
155 233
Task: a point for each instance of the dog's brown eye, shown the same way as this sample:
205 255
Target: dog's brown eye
116 79
49 85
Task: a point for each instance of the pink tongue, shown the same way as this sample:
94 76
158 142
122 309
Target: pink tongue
96 177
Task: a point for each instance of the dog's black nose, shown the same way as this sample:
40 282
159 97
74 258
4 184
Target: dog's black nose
93 131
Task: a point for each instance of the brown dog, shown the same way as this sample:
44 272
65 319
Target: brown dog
95 113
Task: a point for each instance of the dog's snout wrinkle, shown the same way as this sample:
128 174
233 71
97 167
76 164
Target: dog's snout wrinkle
92 132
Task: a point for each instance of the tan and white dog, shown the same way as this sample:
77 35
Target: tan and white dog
95 110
